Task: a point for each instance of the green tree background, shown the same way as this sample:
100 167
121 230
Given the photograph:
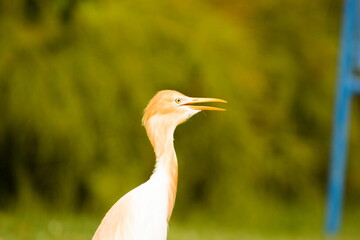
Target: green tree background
75 76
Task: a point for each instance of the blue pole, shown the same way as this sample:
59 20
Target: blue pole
346 80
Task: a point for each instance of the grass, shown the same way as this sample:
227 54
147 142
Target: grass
42 227
21 226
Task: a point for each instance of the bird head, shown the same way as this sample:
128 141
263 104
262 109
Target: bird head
173 108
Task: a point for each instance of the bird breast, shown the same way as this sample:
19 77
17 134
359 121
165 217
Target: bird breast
141 214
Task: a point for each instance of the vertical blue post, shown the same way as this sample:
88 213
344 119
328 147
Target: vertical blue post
346 88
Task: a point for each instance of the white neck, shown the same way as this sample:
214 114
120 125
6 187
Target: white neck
161 136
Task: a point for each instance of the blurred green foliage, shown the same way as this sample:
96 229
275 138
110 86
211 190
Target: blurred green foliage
24 226
76 75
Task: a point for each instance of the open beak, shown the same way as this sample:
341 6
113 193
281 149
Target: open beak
204 100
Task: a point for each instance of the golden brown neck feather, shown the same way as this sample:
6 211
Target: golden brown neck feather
161 138
158 121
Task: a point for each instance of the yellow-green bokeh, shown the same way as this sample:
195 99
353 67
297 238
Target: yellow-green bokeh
75 77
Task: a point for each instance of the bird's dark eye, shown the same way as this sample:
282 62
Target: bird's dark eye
177 100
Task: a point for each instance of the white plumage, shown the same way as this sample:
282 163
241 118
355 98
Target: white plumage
144 212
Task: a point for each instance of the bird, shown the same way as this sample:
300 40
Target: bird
144 212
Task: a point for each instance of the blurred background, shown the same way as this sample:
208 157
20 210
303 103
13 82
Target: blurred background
75 76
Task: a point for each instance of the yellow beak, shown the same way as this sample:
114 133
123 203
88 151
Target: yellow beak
204 100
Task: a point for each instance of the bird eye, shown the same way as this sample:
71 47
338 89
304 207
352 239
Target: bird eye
177 100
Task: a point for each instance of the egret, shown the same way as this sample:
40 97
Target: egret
144 212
